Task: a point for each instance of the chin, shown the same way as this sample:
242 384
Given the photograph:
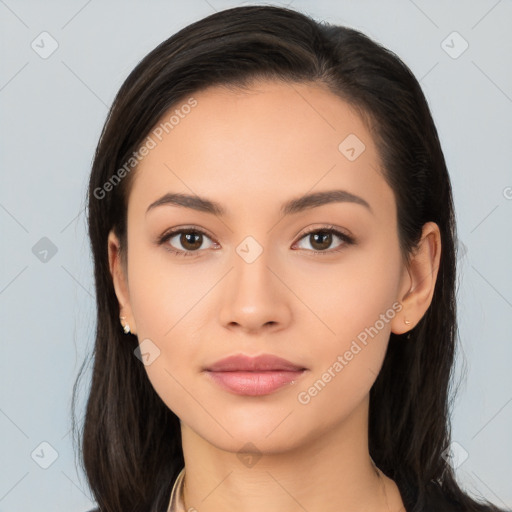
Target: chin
263 434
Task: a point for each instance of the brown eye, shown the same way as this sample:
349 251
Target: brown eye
321 240
184 242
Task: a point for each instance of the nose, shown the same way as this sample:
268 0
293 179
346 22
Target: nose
255 298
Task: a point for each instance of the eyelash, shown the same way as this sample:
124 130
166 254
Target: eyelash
348 240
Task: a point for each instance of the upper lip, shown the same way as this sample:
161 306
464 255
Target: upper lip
263 362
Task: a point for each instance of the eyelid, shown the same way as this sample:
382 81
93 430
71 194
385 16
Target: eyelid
324 227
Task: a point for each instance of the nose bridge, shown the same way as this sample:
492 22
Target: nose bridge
252 264
252 279
253 296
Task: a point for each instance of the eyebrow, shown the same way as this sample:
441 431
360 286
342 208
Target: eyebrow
292 206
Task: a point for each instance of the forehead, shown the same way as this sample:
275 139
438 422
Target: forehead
261 144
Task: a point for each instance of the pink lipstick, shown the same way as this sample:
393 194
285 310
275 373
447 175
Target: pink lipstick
254 376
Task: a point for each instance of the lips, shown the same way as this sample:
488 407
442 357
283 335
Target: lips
254 376
261 363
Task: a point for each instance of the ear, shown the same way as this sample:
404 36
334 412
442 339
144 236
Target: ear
119 272
419 280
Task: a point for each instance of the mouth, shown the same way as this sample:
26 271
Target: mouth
254 376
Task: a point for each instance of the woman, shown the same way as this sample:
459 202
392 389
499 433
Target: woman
273 234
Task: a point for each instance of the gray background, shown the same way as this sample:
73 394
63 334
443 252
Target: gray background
52 111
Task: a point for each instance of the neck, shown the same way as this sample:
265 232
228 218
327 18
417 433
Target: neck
332 472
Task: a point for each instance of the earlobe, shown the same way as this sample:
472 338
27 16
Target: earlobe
119 280
422 276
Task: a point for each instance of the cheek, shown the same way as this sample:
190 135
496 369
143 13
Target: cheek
352 296
164 294
163 306
348 362
168 301
358 306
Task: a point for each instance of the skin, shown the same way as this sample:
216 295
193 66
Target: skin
251 151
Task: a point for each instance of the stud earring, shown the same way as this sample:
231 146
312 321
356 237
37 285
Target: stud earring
126 327
407 322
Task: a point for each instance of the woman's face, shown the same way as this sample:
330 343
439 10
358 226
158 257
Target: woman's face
255 282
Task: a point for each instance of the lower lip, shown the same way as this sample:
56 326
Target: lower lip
254 383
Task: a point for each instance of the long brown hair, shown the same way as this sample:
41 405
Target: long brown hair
130 443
